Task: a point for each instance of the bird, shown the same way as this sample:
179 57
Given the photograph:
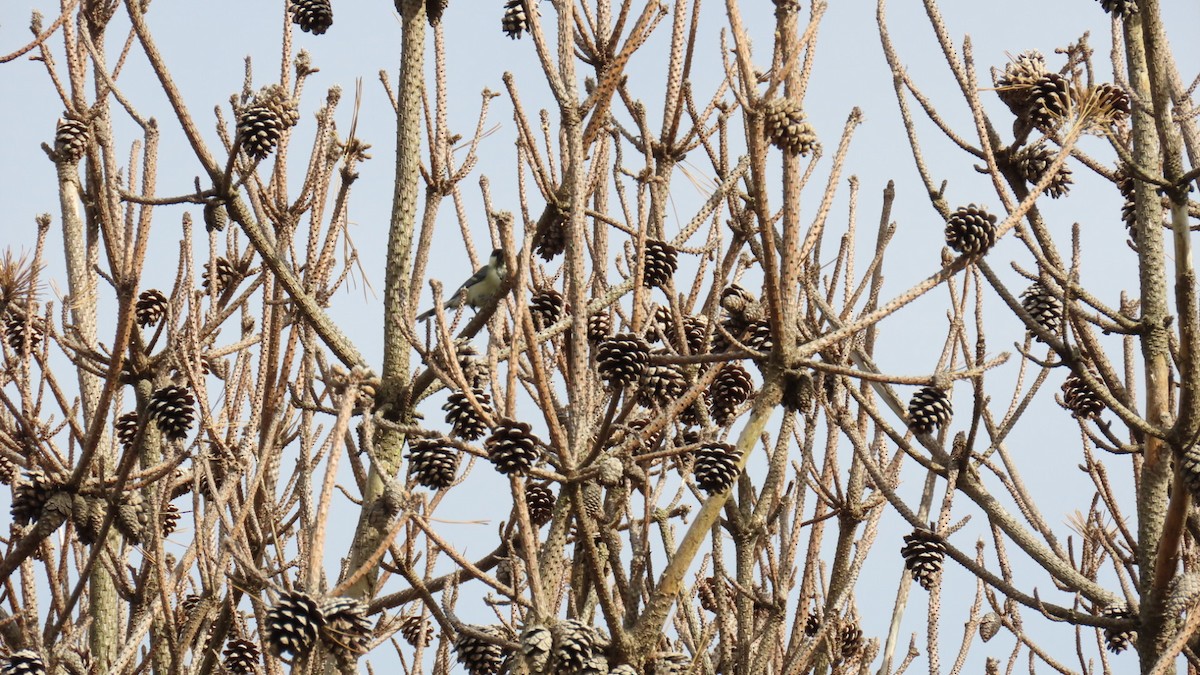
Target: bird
479 288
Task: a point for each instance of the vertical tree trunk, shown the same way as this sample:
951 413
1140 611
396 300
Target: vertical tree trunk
395 377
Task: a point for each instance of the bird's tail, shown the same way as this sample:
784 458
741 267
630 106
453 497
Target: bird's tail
424 316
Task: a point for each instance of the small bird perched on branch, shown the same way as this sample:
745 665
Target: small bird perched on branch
479 288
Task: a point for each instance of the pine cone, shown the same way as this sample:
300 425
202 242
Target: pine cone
923 553
474 367
8 470
661 385
989 626
660 322
434 10
55 511
1119 8
417 630
477 656
346 629
929 409
851 639
180 483
593 500
221 465
466 422
432 463
1108 103
574 643
1043 307
170 519
812 623
716 467
512 448
227 273
293 624
1079 398
609 470
693 415
599 327
1013 87
1049 101
661 261
1181 594
1189 465
87 515
546 308
635 430
758 336
735 328
131 517
1116 639
786 128
1032 163
516 19
623 669
596 665
550 237
798 390
172 409
23 333
740 310
536 643
539 500
737 301
1125 185
281 103
312 16
150 308
730 389
24 662
190 604
70 140
260 129
215 216
241 656
621 359
706 590
971 231
30 496
695 334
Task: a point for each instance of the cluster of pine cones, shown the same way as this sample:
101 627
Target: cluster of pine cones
564 646
650 368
